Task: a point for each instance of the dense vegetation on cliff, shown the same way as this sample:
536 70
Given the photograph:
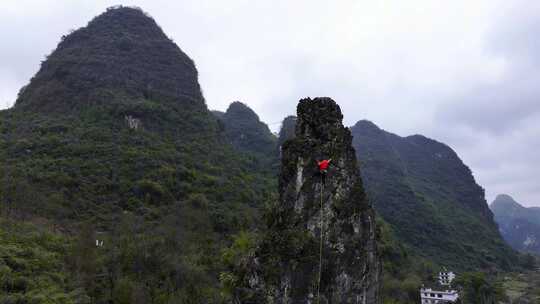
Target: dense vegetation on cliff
112 141
429 197
34 266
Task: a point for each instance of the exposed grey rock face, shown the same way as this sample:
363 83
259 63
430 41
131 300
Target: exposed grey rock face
132 122
286 268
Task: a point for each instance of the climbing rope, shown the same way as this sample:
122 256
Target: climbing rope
320 247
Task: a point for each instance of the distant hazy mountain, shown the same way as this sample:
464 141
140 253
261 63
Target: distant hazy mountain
520 226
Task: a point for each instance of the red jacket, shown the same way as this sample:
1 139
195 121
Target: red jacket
323 164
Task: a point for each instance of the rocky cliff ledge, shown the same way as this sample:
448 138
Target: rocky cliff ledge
286 266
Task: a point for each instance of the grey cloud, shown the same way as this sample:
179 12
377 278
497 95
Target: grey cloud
463 72
502 104
495 124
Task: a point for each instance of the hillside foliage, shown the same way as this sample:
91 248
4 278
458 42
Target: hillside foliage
429 197
112 141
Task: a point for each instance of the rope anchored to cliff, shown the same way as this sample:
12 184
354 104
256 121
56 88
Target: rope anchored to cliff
320 246
323 168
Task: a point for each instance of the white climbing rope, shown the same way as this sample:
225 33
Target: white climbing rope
320 247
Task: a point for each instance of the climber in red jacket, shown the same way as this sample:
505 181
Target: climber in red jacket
323 168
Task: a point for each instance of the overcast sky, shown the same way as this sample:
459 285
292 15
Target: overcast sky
466 73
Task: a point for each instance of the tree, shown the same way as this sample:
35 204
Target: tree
479 289
16 195
84 258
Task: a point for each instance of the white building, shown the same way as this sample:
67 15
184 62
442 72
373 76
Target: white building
430 296
446 277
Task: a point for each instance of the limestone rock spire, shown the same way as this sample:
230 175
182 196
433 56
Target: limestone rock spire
287 264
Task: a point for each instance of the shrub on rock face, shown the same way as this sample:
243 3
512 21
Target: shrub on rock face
31 265
198 200
152 192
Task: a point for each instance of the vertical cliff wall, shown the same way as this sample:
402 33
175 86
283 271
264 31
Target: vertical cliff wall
287 265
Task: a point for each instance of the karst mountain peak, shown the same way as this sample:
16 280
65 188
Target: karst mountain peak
121 54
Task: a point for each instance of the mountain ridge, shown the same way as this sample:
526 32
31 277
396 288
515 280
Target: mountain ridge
435 205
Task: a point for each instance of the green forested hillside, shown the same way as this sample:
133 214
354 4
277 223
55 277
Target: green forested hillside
429 197
112 140
34 266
